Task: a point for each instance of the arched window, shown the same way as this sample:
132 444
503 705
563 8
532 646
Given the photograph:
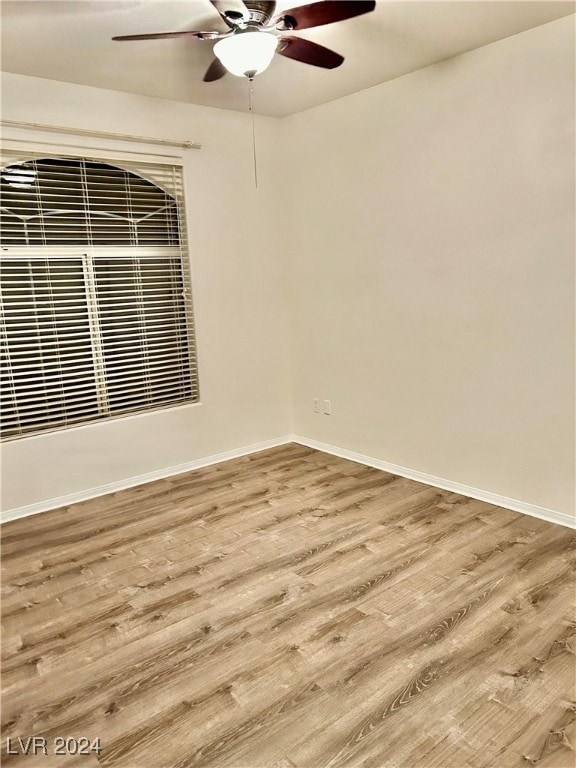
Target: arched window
96 310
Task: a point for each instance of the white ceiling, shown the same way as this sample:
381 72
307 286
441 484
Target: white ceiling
70 40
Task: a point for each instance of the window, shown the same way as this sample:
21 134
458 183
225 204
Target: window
96 310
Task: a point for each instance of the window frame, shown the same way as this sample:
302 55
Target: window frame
88 255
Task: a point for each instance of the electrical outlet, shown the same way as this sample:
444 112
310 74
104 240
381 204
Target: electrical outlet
326 407
316 405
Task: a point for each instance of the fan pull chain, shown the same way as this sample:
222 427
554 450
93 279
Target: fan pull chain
251 110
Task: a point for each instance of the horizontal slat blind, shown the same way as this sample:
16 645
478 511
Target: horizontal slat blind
96 309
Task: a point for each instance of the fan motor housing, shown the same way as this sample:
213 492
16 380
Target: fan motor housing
261 11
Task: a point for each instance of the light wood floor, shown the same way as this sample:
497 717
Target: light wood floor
290 609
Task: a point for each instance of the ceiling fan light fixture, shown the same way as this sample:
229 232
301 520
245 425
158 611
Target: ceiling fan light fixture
246 53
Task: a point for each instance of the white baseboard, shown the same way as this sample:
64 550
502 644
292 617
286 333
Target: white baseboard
120 485
550 515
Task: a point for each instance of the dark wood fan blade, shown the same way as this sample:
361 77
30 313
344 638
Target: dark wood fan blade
309 52
324 12
165 35
231 10
215 71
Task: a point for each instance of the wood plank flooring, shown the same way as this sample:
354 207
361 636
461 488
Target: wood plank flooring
290 609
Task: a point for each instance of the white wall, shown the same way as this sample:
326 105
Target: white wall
432 257
238 290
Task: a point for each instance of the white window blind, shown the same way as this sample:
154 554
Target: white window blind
96 315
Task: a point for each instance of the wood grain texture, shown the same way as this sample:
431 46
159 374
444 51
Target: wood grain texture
290 609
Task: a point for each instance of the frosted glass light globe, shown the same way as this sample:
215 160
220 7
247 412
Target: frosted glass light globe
247 52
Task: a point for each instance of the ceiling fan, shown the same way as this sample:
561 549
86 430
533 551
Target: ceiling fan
254 34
